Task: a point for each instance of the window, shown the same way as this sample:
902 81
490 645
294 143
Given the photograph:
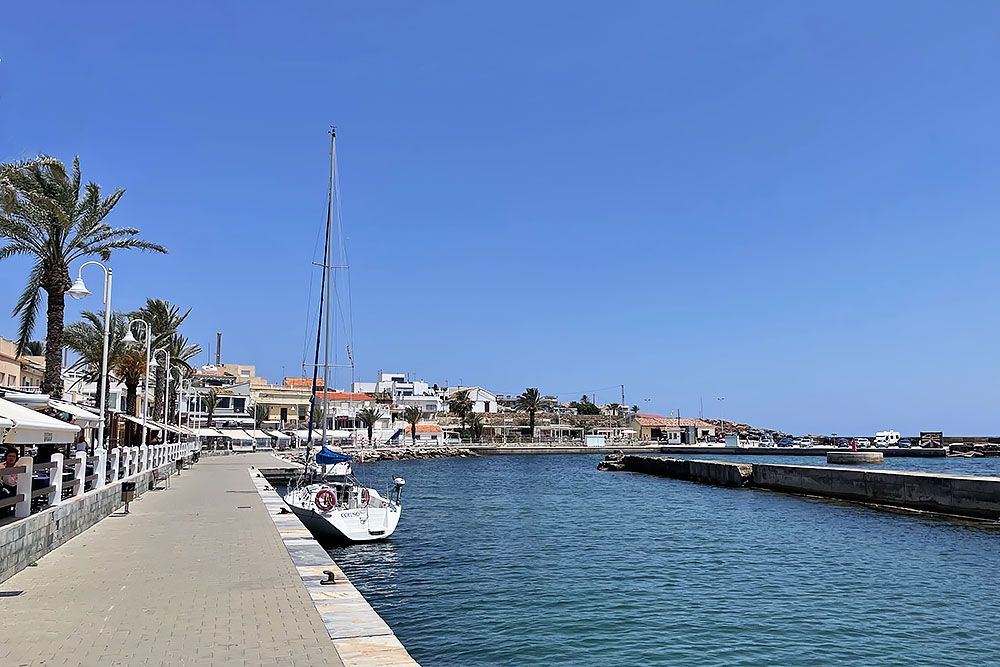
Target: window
239 404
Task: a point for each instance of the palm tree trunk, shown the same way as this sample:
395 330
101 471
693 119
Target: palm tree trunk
131 405
55 290
158 387
531 423
370 444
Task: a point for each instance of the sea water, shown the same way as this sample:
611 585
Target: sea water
543 560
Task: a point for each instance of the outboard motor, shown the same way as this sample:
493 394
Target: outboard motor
398 490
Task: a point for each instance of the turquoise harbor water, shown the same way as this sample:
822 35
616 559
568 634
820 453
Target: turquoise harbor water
544 560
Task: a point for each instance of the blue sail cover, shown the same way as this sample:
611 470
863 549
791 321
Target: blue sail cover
325 457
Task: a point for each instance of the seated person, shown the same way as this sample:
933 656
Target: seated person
8 483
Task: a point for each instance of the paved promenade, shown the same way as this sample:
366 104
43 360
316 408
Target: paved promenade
195 575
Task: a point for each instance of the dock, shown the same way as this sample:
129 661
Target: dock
969 496
198 573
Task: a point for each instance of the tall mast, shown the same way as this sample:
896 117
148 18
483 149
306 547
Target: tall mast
328 269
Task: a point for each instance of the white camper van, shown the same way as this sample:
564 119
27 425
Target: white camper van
887 438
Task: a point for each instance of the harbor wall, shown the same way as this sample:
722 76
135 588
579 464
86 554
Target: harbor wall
26 540
968 496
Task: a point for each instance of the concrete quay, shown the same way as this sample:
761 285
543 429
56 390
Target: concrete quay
195 574
955 495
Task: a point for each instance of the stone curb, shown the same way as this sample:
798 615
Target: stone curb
359 634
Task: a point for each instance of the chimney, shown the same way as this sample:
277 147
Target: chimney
218 349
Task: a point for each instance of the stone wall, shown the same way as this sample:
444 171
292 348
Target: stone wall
968 496
25 541
946 494
708 472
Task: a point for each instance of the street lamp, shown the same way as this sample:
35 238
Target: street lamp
722 419
150 363
166 385
79 291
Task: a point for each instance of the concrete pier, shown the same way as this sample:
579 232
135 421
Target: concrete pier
854 457
197 574
966 496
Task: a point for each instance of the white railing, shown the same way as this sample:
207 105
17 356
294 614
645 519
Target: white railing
125 463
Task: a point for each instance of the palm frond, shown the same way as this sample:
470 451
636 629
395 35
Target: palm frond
27 307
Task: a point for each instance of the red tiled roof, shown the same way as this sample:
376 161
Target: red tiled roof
343 396
426 428
301 382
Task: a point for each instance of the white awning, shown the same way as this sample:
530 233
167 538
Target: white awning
259 435
207 433
81 416
167 427
29 427
279 435
150 424
234 434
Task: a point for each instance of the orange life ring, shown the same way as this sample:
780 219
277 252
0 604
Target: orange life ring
365 497
325 499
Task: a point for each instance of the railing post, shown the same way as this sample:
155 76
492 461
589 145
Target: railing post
80 473
158 458
115 461
55 479
101 467
23 508
142 459
127 463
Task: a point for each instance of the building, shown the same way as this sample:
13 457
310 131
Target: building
21 372
287 405
674 430
427 435
483 401
244 373
403 393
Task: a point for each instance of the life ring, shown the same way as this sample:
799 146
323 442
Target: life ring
325 499
365 497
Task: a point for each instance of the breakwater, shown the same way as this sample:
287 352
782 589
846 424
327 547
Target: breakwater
959 495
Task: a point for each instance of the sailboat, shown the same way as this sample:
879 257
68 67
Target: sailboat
331 502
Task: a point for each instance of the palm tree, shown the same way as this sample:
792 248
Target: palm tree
210 402
48 214
531 401
476 427
129 368
614 408
34 348
460 404
164 319
412 417
635 409
260 413
86 338
369 417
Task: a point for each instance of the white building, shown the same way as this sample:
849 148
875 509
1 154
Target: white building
483 401
404 393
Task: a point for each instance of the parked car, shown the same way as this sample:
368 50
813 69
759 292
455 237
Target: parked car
808 442
785 442
864 442
905 443
842 442
766 441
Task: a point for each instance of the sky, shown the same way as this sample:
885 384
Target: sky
791 206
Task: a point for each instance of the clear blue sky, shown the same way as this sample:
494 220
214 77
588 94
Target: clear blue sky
792 205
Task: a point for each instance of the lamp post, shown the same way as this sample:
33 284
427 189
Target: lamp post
166 385
722 418
79 291
150 363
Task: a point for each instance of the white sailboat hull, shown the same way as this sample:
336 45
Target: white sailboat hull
360 523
